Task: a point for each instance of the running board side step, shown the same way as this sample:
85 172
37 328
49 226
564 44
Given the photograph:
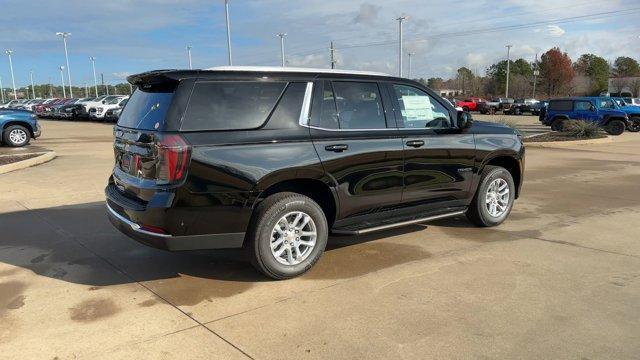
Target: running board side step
398 224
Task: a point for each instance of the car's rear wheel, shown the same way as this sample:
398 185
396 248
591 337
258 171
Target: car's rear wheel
16 136
287 235
494 198
615 127
517 111
635 124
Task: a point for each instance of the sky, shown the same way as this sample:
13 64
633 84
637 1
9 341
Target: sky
129 36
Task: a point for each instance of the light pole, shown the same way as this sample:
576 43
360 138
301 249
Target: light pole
95 80
409 54
65 35
226 16
400 20
536 72
1 90
13 79
281 36
189 55
64 92
506 90
33 89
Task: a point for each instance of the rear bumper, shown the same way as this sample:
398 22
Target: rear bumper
173 243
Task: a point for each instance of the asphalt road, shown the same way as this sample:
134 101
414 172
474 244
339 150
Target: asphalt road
560 279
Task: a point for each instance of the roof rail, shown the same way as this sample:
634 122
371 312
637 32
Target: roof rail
295 70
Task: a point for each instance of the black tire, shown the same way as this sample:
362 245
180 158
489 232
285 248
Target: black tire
478 212
517 111
465 109
557 124
635 124
21 130
266 216
615 127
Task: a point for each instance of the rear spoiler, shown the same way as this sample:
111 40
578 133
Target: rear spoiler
151 79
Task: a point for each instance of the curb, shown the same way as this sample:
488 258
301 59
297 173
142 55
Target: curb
41 159
569 143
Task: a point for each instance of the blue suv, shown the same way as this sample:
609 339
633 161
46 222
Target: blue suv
602 110
18 127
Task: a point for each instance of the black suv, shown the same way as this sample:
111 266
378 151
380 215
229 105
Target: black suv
275 159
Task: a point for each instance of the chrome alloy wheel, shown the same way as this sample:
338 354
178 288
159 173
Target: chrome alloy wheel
18 136
497 197
293 238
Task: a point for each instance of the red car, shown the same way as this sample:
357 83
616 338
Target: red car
470 104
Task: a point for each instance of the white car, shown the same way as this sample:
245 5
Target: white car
100 100
107 104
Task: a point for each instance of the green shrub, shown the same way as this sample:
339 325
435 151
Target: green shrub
581 129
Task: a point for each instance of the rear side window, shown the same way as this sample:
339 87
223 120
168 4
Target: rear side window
146 110
231 105
561 105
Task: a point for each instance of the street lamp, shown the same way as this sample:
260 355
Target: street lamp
95 80
64 92
281 36
1 90
506 91
409 54
400 20
189 54
65 35
13 79
33 89
226 16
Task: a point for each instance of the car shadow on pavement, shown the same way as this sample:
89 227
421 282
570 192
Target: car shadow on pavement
78 244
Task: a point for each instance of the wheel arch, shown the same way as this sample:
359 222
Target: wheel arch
25 125
512 162
318 189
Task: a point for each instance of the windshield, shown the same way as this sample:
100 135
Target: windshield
146 110
113 101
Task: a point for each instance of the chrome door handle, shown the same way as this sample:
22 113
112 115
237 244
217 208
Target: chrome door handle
337 147
415 143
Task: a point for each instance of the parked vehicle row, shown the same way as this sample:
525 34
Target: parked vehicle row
605 111
73 108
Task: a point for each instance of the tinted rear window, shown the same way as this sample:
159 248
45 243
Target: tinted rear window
561 105
231 105
146 110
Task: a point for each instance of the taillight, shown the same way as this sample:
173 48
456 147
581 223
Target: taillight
173 155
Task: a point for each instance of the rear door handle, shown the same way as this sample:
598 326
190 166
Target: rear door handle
337 147
415 143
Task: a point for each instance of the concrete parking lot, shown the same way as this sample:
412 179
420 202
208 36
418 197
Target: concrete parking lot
560 279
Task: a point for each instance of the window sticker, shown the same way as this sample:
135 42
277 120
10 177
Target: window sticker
417 108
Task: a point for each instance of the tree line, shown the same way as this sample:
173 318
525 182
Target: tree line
555 74
44 91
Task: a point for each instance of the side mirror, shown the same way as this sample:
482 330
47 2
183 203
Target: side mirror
592 108
104 101
464 120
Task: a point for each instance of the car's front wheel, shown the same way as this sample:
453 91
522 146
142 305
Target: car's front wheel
494 198
615 127
16 136
287 235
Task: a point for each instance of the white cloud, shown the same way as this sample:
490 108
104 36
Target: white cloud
368 14
555 30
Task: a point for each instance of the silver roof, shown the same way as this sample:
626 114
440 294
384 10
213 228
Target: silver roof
294 70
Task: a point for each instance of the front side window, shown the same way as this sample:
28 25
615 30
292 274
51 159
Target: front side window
607 104
583 106
231 105
419 110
